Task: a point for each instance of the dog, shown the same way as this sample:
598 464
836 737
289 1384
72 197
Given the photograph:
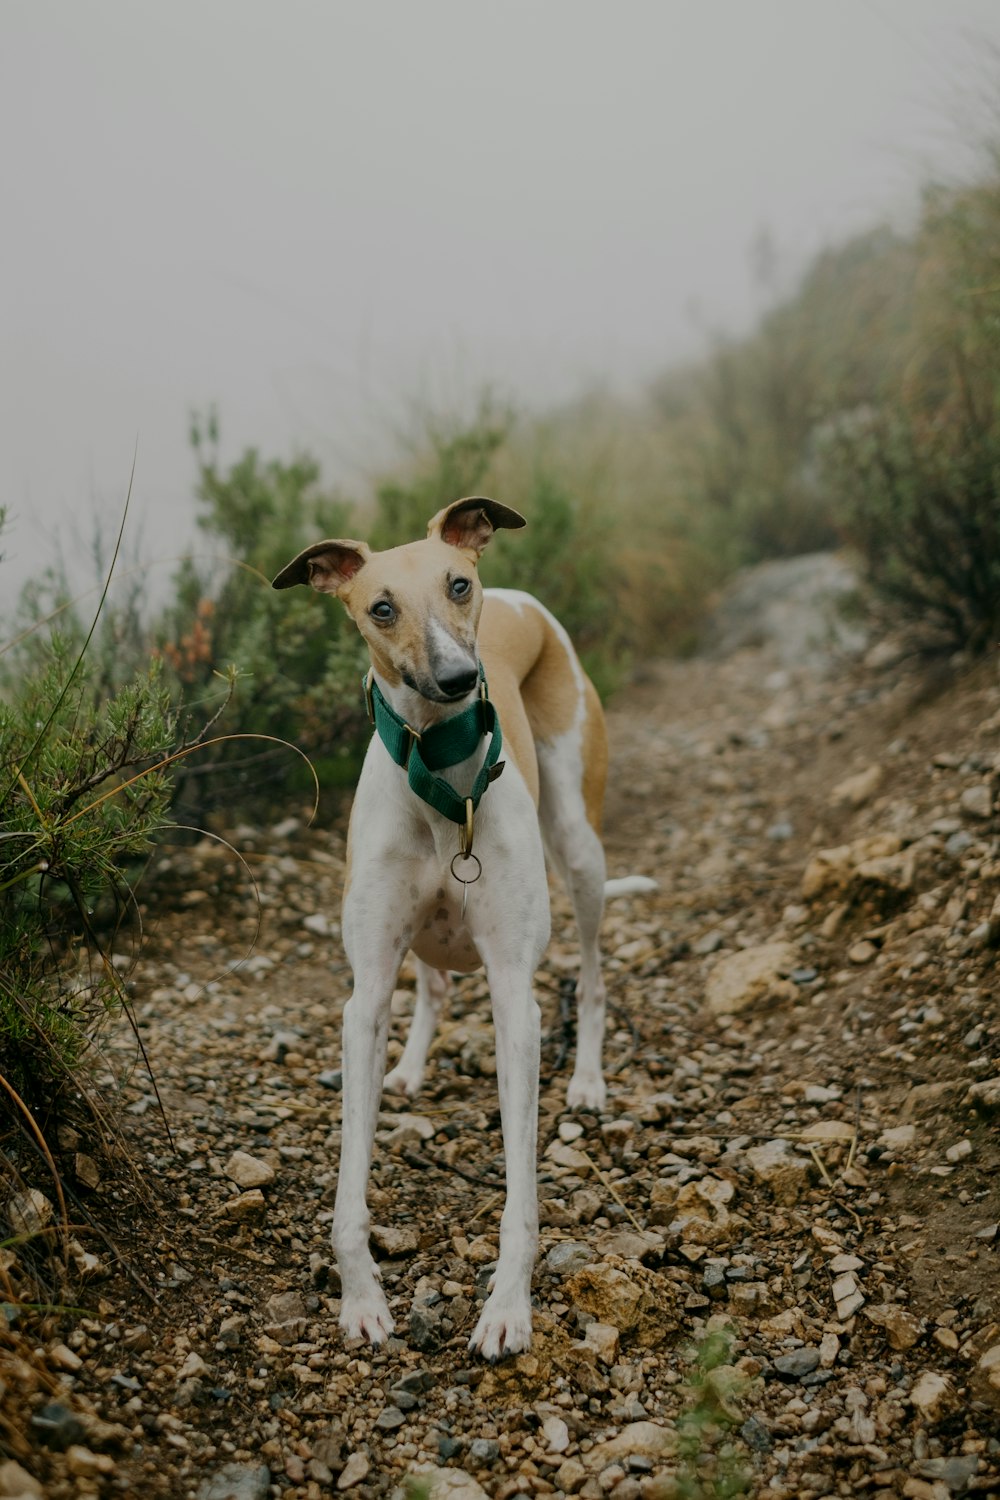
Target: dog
446 856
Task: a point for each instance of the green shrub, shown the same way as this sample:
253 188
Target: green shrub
78 810
298 672
918 473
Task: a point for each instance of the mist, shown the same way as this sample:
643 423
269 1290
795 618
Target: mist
314 216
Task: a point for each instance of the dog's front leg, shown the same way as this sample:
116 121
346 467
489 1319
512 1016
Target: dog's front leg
375 955
504 1326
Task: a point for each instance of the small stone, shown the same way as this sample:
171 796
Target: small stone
570 1475
785 1174
286 1316
389 1419
757 1435
56 1426
425 1326
83 1464
825 1131
331 1078
568 1256
648 1439
556 1434
977 801
902 1329
817 1093
899 1137
248 1171
959 1152
856 790
353 1472
604 1340
985 1096
862 952
395 1240
570 1131
88 1173
748 978
450 1484
17 1484
829 1348
244 1205
29 1213
237 1482
930 1394
954 1472
319 924
484 1451
800 1362
64 1359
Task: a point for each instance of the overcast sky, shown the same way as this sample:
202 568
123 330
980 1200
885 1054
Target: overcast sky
310 212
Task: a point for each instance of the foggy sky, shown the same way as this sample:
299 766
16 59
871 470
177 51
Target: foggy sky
309 213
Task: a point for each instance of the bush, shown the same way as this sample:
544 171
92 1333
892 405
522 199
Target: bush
298 675
918 474
79 809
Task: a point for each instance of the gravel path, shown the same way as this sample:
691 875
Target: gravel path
771 1264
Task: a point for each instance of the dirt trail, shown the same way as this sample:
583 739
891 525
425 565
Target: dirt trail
798 1145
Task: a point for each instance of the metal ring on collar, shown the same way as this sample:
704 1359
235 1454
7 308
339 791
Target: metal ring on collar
475 860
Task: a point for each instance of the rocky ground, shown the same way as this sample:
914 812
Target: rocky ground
771 1265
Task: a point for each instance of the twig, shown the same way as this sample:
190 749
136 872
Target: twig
611 1189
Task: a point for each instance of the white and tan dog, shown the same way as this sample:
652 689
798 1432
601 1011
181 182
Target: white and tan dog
428 626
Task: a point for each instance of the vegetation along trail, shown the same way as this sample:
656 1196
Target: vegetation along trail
769 1267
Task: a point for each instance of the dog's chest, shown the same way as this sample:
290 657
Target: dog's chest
441 937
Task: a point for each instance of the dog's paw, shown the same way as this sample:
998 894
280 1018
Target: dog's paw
502 1330
398 1081
366 1317
586 1092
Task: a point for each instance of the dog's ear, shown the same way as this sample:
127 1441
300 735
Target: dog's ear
469 523
327 566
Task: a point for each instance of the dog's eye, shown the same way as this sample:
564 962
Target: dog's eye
460 588
382 611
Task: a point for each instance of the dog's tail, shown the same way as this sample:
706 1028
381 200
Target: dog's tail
630 885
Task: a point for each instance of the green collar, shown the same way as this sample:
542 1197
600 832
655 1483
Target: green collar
421 753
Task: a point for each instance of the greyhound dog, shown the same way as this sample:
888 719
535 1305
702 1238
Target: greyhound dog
446 856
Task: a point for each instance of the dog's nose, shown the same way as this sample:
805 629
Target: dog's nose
455 682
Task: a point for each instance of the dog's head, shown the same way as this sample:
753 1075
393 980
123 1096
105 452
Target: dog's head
418 605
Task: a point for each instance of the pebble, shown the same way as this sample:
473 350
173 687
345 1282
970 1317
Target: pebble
248 1171
354 1471
569 1255
237 1482
800 1362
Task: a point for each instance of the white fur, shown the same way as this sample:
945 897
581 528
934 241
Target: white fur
402 895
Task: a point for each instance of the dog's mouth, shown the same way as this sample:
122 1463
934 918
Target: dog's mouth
438 692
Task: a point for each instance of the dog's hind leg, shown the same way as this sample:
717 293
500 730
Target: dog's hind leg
578 856
432 989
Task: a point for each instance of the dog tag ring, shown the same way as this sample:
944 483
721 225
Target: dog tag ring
465 883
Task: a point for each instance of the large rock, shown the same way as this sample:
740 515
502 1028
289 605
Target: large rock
749 977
